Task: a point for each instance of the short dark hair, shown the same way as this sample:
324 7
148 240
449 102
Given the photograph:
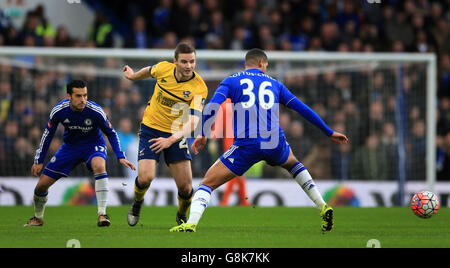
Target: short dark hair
183 48
254 55
75 84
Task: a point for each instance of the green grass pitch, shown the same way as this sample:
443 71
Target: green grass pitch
226 227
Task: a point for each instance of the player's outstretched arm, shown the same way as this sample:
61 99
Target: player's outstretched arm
107 128
292 102
210 113
131 75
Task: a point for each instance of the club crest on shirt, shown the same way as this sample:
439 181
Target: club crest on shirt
88 122
186 94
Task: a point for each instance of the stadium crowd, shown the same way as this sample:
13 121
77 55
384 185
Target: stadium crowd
343 99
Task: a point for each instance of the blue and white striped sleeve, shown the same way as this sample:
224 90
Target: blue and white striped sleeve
107 128
213 107
49 132
292 102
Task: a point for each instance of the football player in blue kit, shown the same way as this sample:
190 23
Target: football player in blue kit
83 123
258 136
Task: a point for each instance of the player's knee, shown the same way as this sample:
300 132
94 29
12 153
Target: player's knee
290 163
99 168
98 165
44 184
185 190
145 179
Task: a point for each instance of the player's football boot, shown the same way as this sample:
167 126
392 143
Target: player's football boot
181 218
327 218
184 228
34 222
103 220
134 212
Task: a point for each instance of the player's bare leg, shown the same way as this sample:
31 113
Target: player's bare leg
182 173
304 179
98 165
40 199
146 174
217 175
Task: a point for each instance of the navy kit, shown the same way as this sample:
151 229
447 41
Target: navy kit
82 138
176 152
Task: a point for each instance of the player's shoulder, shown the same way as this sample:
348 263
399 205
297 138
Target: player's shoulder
258 75
235 75
96 109
161 69
59 107
232 77
93 104
199 80
65 102
164 66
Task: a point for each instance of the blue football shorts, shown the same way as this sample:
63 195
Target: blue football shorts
176 152
241 157
69 156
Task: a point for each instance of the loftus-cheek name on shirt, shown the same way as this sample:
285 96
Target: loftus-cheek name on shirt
251 74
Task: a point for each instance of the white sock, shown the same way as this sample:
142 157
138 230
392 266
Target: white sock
39 205
199 203
304 179
101 192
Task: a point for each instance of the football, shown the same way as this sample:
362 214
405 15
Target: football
425 204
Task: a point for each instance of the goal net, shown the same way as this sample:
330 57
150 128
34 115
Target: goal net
384 103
